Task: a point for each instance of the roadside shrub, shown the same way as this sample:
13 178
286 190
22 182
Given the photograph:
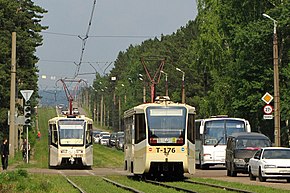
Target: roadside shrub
22 173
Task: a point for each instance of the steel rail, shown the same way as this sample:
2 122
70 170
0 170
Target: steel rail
72 183
122 186
170 186
218 186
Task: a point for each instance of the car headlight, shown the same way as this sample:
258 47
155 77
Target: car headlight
240 161
269 166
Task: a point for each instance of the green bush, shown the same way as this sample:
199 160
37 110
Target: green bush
22 173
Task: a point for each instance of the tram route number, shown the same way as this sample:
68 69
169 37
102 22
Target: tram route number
165 150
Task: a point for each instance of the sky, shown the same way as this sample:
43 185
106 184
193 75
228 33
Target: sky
115 25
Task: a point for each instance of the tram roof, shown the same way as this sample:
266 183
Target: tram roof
54 119
140 108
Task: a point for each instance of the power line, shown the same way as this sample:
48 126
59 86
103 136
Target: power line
102 36
85 39
69 61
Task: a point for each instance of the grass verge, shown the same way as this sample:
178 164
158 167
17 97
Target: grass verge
39 156
20 181
106 157
95 184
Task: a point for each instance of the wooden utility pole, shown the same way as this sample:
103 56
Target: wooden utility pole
12 97
119 114
276 89
101 113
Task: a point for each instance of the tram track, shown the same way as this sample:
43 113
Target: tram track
72 183
122 186
169 186
180 188
117 184
218 186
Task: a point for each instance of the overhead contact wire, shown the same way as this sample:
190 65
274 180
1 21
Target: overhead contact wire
84 40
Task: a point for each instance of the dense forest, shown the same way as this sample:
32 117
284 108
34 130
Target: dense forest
226 54
22 17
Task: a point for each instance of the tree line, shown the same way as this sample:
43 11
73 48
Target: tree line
22 17
226 53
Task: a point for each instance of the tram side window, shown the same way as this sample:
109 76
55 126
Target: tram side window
190 128
140 126
53 134
89 134
197 130
128 129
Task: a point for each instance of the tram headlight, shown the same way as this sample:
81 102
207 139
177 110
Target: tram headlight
79 151
63 151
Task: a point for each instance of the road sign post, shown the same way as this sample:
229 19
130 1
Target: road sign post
26 94
27 114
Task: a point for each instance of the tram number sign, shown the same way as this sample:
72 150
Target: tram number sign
268 109
165 150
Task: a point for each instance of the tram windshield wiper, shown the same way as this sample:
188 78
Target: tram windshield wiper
217 143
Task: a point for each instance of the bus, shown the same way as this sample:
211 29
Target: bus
159 139
211 138
70 141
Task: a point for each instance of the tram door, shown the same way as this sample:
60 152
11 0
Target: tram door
53 145
191 144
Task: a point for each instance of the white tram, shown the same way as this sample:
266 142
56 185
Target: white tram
159 139
70 141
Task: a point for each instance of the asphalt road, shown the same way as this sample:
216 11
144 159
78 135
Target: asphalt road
218 173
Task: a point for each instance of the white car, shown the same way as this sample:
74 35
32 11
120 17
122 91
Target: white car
105 140
270 162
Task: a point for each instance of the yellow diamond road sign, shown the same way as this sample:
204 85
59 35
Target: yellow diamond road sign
267 98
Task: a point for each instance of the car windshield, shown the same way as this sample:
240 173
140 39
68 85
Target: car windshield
252 143
106 137
276 154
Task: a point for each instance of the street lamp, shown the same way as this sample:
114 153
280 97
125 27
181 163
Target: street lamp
276 84
144 87
183 90
166 82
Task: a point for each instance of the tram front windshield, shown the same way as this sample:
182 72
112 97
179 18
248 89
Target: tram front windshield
71 132
166 125
216 131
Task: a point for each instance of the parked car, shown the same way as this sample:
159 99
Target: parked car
270 162
120 134
96 136
102 133
112 140
75 111
120 143
240 148
105 140
120 140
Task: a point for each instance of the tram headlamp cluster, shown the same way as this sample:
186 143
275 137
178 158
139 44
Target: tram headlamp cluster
79 151
76 151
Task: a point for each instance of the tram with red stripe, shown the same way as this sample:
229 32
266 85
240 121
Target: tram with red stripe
159 139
